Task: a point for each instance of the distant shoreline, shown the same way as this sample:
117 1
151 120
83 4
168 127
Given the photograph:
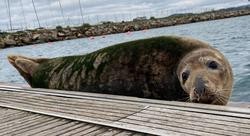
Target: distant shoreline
36 36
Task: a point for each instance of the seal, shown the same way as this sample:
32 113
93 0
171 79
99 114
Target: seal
166 67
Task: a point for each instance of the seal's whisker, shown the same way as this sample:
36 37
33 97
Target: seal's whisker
221 100
186 99
221 95
185 63
225 89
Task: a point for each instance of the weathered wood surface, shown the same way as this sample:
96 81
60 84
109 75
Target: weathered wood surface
129 113
22 123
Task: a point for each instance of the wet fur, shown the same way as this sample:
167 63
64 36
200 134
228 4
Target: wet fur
148 68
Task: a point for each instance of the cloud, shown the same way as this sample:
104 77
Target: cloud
50 14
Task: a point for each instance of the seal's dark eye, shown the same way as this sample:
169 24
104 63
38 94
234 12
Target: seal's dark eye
212 65
185 76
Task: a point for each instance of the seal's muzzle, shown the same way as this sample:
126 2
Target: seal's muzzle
199 86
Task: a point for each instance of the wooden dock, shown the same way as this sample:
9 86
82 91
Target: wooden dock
27 111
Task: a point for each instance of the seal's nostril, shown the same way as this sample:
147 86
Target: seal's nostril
199 91
199 86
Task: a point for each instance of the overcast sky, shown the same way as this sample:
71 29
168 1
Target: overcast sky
49 12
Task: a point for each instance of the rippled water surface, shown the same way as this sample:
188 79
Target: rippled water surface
230 36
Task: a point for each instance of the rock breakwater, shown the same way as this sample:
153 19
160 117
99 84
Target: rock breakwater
41 35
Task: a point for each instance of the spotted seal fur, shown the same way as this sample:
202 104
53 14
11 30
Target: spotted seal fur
166 67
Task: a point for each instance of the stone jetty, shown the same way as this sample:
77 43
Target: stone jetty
41 35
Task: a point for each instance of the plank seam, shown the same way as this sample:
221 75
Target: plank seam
145 108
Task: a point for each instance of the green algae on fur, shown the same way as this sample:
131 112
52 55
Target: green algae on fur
143 68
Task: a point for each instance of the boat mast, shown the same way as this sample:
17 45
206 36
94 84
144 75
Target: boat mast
36 13
24 18
53 15
8 6
61 9
81 10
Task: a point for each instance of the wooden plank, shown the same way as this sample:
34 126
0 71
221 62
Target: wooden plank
81 111
87 131
127 133
24 129
69 129
243 113
124 133
166 128
193 121
188 125
8 112
96 132
58 111
136 134
57 129
13 116
84 103
134 99
54 113
37 128
158 111
76 101
50 128
62 103
57 107
77 130
213 116
36 124
150 130
19 120
95 121
110 132
239 104
40 127
17 128
4 111
151 118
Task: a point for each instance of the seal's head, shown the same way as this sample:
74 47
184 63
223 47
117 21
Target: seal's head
206 76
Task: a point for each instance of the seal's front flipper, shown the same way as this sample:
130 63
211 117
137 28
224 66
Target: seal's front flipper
25 66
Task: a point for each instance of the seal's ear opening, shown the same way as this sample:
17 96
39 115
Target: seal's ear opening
25 66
